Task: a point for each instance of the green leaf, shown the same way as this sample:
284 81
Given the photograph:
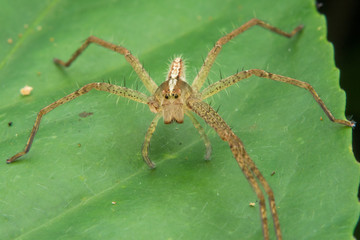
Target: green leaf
64 187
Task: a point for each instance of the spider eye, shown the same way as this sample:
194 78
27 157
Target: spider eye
167 96
176 96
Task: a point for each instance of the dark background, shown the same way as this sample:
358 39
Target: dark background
343 21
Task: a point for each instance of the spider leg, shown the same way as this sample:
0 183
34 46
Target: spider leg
202 134
134 62
146 144
210 59
268 191
227 82
248 167
121 91
245 164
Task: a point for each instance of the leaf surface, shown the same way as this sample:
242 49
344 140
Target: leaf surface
64 187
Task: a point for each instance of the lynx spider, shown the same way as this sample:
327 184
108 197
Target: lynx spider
175 97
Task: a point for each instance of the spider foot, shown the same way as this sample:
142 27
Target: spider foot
207 155
10 160
151 165
60 62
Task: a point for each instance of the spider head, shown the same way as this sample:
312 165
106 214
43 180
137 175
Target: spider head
172 101
172 94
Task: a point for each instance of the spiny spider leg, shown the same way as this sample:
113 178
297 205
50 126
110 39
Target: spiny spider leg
210 59
248 167
202 134
121 91
151 130
227 82
134 62
146 144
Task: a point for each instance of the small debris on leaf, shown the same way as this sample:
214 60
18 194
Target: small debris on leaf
113 203
10 41
252 204
26 90
272 174
85 114
321 118
10 124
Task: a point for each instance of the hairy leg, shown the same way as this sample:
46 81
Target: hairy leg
202 134
134 62
227 82
210 59
146 144
121 91
251 172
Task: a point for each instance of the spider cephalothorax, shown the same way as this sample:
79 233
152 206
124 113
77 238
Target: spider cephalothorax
170 97
175 97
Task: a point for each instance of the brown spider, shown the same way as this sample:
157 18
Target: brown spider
175 97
